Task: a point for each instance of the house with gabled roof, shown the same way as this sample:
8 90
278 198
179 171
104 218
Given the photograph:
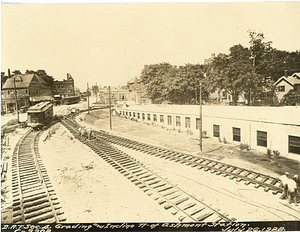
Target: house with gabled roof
286 83
29 89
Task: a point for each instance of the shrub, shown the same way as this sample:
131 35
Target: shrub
190 132
276 153
244 146
224 140
269 153
204 134
272 154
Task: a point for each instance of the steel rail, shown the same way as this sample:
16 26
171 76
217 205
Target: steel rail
166 193
240 174
34 200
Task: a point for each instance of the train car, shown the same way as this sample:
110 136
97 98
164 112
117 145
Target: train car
70 100
39 114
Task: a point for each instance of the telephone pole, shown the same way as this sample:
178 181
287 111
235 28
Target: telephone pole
87 90
200 126
16 97
109 108
96 91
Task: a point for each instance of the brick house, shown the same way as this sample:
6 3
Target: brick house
30 89
64 88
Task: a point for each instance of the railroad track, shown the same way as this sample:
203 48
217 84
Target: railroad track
239 174
34 200
186 207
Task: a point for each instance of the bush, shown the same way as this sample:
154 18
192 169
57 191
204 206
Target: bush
269 153
190 132
276 153
244 146
272 154
224 140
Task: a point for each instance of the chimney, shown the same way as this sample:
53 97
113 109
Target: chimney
285 73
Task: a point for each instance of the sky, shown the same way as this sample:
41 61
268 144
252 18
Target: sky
109 43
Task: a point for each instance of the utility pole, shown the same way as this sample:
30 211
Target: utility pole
16 97
96 91
200 126
87 90
100 94
109 108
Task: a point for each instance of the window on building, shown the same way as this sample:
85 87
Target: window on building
154 118
187 122
161 118
236 134
281 88
126 113
294 144
198 123
262 138
138 115
216 130
148 117
130 114
143 116
26 91
169 120
133 114
177 121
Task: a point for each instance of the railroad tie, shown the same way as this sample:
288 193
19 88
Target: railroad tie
194 212
181 201
204 216
39 218
188 206
162 189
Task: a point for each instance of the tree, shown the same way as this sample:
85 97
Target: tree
49 79
95 90
233 72
154 78
3 79
259 51
185 86
16 72
164 82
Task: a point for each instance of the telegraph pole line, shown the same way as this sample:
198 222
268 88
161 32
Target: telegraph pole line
110 126
16 97
87 90
96 91
200 126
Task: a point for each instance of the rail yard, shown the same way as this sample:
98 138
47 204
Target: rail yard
136 172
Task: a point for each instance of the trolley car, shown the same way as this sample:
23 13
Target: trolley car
39 114
70 100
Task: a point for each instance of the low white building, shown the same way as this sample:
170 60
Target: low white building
275 128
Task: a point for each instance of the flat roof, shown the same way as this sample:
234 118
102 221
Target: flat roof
282 115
